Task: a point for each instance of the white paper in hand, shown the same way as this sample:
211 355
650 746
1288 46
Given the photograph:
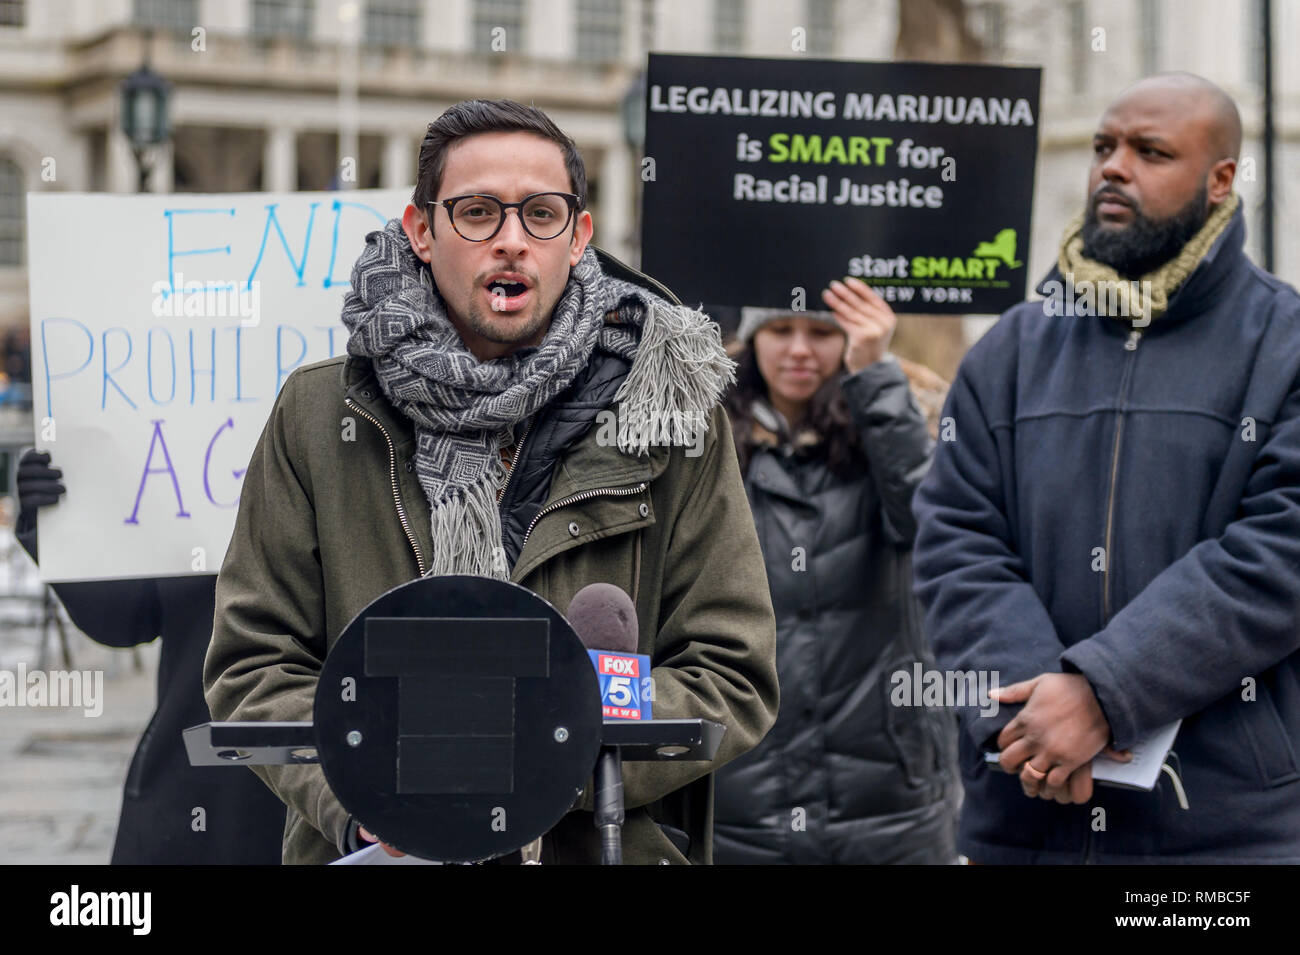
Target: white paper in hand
1148 756
375 855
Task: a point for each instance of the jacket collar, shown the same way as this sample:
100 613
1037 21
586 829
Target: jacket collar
1204 287
771 430
767 474
358 376
361 388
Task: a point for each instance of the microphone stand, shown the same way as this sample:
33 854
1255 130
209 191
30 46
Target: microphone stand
609 804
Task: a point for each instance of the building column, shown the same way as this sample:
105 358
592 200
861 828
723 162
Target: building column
398 165
163 159
551 29
280 160
123 175
614 220
120 174
450 28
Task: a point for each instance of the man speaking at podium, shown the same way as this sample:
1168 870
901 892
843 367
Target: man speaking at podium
464 434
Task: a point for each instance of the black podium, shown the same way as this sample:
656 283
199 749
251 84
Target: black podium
458 718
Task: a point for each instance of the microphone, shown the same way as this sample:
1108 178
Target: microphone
604 619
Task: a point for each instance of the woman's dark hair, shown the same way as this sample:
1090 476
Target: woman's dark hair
475 116
828 414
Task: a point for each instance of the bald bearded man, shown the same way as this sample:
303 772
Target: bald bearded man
1115 530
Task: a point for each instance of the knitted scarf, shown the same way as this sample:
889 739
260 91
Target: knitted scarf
465 411
1129 299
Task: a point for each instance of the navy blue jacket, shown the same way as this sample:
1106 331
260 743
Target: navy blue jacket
1175 447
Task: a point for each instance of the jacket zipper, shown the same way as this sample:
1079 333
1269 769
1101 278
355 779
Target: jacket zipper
392 473
519 451
575 498
1130 346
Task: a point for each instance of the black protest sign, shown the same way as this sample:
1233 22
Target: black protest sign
767 178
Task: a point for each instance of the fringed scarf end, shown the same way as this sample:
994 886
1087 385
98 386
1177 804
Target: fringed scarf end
680 373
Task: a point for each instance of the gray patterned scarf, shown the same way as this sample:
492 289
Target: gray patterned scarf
465 411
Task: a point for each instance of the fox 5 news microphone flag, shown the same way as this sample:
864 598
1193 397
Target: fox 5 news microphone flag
625 692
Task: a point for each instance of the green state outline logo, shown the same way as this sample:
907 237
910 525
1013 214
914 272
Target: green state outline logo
977 270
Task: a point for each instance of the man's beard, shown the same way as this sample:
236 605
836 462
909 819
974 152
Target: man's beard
1144 244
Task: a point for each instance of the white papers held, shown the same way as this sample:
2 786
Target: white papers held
1148 756
375 855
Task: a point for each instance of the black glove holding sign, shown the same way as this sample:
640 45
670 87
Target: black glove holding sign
116 613
38 486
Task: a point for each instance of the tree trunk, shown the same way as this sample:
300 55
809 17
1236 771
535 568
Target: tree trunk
933 31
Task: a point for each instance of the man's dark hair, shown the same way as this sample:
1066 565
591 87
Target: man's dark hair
475 116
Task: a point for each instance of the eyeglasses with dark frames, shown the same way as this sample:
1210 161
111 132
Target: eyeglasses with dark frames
479 217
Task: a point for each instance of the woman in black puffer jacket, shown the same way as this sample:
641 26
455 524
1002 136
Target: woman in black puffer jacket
832 444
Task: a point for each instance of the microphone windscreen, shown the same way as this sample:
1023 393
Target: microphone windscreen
604 618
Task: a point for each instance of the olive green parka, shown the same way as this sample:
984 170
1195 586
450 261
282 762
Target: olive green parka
332 516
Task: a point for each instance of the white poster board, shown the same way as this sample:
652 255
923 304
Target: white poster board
162 329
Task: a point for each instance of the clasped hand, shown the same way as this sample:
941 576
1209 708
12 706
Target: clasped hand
1050 743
